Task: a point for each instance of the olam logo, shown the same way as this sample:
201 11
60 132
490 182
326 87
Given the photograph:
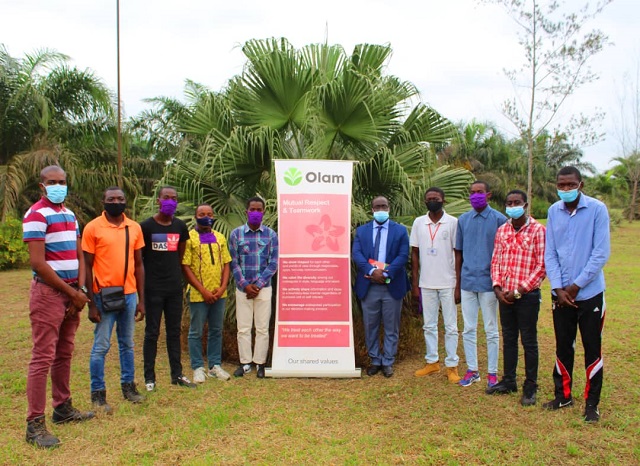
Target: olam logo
293 177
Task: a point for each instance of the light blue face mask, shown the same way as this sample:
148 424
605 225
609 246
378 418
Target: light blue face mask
56 193
381 216
515 212
568 196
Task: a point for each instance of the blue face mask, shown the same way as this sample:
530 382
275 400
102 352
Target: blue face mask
568 196
56 193
515 212
381 216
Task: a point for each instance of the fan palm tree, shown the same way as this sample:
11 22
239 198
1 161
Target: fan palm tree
317 102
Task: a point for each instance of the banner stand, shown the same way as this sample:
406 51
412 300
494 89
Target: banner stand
314 327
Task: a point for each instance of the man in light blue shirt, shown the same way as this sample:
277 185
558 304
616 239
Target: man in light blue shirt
577 248
474 289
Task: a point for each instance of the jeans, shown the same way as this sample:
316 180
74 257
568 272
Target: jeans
471 302
248 312
589 318
431 302
53 341
213 314
378 306
157 301
125 322
521 318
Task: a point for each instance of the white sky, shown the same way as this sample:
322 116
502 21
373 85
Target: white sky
454 51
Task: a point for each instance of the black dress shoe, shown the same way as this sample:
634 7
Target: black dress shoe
387 371
502 388
373 370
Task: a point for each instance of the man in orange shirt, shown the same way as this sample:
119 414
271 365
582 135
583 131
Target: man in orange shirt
112 245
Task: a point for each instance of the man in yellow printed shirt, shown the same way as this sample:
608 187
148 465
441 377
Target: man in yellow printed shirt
206 267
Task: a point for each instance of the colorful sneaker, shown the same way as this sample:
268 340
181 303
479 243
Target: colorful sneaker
492 379
199 375
469 378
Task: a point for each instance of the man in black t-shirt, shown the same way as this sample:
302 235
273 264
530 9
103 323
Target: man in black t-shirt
165 238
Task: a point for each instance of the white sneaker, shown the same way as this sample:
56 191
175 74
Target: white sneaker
199 375
150 386
218 372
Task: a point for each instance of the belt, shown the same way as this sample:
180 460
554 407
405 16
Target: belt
71 284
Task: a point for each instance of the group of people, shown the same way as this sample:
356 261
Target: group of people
494 264
127 272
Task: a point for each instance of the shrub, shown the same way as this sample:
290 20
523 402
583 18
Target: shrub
13 252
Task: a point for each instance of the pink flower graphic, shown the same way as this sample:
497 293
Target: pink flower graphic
324 234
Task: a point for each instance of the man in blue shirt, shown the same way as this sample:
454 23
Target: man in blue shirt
474 289
254 260
577 248
380 252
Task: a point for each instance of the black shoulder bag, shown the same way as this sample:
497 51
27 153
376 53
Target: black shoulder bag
112 297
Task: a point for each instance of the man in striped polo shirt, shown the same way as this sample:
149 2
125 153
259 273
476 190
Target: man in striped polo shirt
57 296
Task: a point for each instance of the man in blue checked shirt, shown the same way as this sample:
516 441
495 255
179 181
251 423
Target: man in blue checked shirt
254 261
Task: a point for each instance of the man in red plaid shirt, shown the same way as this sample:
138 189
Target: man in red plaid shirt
517 270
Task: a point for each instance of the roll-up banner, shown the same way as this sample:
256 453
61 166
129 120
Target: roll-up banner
314 327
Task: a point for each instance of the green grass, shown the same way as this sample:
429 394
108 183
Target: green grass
350 422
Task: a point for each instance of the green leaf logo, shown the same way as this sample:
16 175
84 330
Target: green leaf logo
293 176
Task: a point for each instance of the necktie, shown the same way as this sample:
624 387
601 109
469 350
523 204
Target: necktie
376 245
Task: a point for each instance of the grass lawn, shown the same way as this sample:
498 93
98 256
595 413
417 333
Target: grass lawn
370 420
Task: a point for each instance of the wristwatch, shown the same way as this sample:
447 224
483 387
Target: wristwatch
517 294
83 289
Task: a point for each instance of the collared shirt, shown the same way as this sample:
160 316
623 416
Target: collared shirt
107 243
206 261
578 246
384 233
474 237
254 255
435 242
58 228
518 256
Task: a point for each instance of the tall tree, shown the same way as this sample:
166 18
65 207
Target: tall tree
51 113
317 102
557 51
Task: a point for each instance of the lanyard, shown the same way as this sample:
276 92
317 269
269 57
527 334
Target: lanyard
433 235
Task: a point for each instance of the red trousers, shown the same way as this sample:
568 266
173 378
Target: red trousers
53 341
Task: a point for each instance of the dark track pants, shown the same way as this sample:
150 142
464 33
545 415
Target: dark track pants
589 317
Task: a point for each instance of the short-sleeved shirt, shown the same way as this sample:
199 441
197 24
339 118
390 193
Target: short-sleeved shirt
58 228
106 242
206 261
162 267
475 237
436 242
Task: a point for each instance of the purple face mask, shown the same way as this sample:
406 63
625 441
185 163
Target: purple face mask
168 207
478 200
208 238
254 217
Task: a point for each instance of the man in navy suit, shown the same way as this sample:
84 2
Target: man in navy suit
380 252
